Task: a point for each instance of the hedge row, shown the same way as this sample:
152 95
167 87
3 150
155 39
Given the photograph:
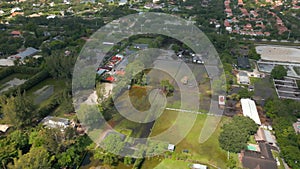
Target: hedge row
6 72
18 69
26 70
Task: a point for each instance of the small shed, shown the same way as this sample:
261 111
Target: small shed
199 166
171 147
4 128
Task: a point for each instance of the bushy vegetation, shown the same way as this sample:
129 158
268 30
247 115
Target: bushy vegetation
284 113
235 134
279 72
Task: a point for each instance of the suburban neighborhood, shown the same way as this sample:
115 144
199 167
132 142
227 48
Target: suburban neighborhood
250 113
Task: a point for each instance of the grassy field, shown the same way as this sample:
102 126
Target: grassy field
171 164
208 152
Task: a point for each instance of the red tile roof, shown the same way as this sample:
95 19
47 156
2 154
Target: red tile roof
15 33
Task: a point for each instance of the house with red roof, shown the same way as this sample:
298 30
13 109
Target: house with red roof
226 23
244 12
15 33
240 3
110 79
267 33
120 72
254 13
248 26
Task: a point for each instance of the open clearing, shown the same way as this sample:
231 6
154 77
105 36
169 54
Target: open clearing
279 53
208 153
12 83
171 164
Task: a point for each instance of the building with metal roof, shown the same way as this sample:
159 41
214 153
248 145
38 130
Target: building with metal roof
249 110
264 135
243 62
30 51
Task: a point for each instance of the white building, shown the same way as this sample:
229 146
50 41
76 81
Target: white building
243 78
56 122
171 147
199 166
249 110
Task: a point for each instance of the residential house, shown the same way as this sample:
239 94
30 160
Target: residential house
243 78
15 33
258 160
55 122
30 51
248 27
264 136
296 126
240 3
243 62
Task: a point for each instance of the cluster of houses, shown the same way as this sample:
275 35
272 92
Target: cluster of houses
257 155
117 64
108 71
255 25
260 155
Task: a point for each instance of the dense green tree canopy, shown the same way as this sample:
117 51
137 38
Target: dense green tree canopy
278 72
235 134
37 157
17 110
284 113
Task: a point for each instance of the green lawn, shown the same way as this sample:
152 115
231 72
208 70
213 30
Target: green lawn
171 164
143 40
208 152
58 85
252 140
164 122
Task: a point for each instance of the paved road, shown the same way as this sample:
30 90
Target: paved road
190 111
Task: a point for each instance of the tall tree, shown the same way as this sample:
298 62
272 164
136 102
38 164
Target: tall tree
37 158
278 72
235 134
18 110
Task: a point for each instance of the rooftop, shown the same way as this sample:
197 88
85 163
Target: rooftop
249 110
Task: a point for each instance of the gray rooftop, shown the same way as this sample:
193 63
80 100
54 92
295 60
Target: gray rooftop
28 52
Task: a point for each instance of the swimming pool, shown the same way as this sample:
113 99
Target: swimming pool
251 147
